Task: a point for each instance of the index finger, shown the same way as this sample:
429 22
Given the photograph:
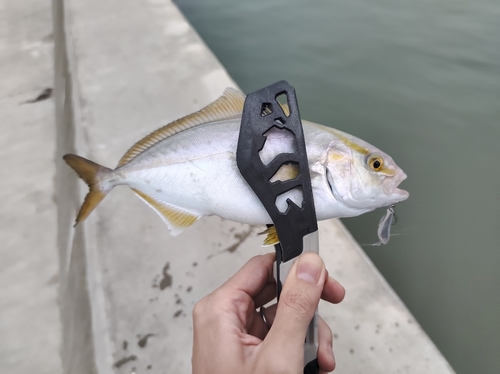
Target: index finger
253 276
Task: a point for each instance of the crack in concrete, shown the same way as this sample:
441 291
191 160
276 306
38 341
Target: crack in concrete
144 340
167 278
124 360
44 95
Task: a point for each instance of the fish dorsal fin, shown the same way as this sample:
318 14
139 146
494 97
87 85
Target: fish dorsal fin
176 219
271 236
229 105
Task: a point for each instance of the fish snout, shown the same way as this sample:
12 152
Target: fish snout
390 186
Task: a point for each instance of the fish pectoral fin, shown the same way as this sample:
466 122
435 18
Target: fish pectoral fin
175 218
271 236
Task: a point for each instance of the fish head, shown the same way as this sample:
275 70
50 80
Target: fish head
362 177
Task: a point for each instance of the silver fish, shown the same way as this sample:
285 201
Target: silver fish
187 170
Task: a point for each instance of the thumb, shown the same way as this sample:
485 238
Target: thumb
298 301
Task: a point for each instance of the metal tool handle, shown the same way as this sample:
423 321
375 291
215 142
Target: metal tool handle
281 270
311 343
311 244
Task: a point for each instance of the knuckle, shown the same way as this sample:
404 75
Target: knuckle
213 307
198 309
203 310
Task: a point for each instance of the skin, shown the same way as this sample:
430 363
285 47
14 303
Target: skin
230 335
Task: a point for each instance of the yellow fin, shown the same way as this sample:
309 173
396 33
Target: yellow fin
229 105
285 108
92 174
271 236
285 172
176 219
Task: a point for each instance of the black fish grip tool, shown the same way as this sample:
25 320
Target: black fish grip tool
297 227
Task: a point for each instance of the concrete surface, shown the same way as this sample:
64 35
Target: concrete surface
29 315
122 69
131 67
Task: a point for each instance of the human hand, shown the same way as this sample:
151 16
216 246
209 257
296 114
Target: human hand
230 335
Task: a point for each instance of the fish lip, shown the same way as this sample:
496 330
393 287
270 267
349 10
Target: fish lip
400 178
391 184
403 194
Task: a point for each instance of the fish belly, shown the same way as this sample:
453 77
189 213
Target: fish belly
203 187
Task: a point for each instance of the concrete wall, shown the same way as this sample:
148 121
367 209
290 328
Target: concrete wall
29 314
122 69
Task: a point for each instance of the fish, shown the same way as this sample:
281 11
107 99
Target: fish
187 170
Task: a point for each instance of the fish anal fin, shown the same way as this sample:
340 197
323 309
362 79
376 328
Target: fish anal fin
229 105
271 236
176 219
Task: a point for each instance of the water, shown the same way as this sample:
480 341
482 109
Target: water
420 80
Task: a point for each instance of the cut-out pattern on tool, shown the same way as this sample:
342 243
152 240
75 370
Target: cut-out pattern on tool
295 195
282 100
279 121
260 154
287 171
278 141
266 109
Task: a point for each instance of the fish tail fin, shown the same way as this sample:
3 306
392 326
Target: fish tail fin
92 174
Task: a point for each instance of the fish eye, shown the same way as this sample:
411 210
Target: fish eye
376 163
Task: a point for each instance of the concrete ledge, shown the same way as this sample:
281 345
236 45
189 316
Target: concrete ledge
29 314
123 68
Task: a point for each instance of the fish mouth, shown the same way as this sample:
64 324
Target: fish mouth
390 186
401 194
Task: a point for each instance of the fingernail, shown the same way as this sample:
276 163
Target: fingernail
309 267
